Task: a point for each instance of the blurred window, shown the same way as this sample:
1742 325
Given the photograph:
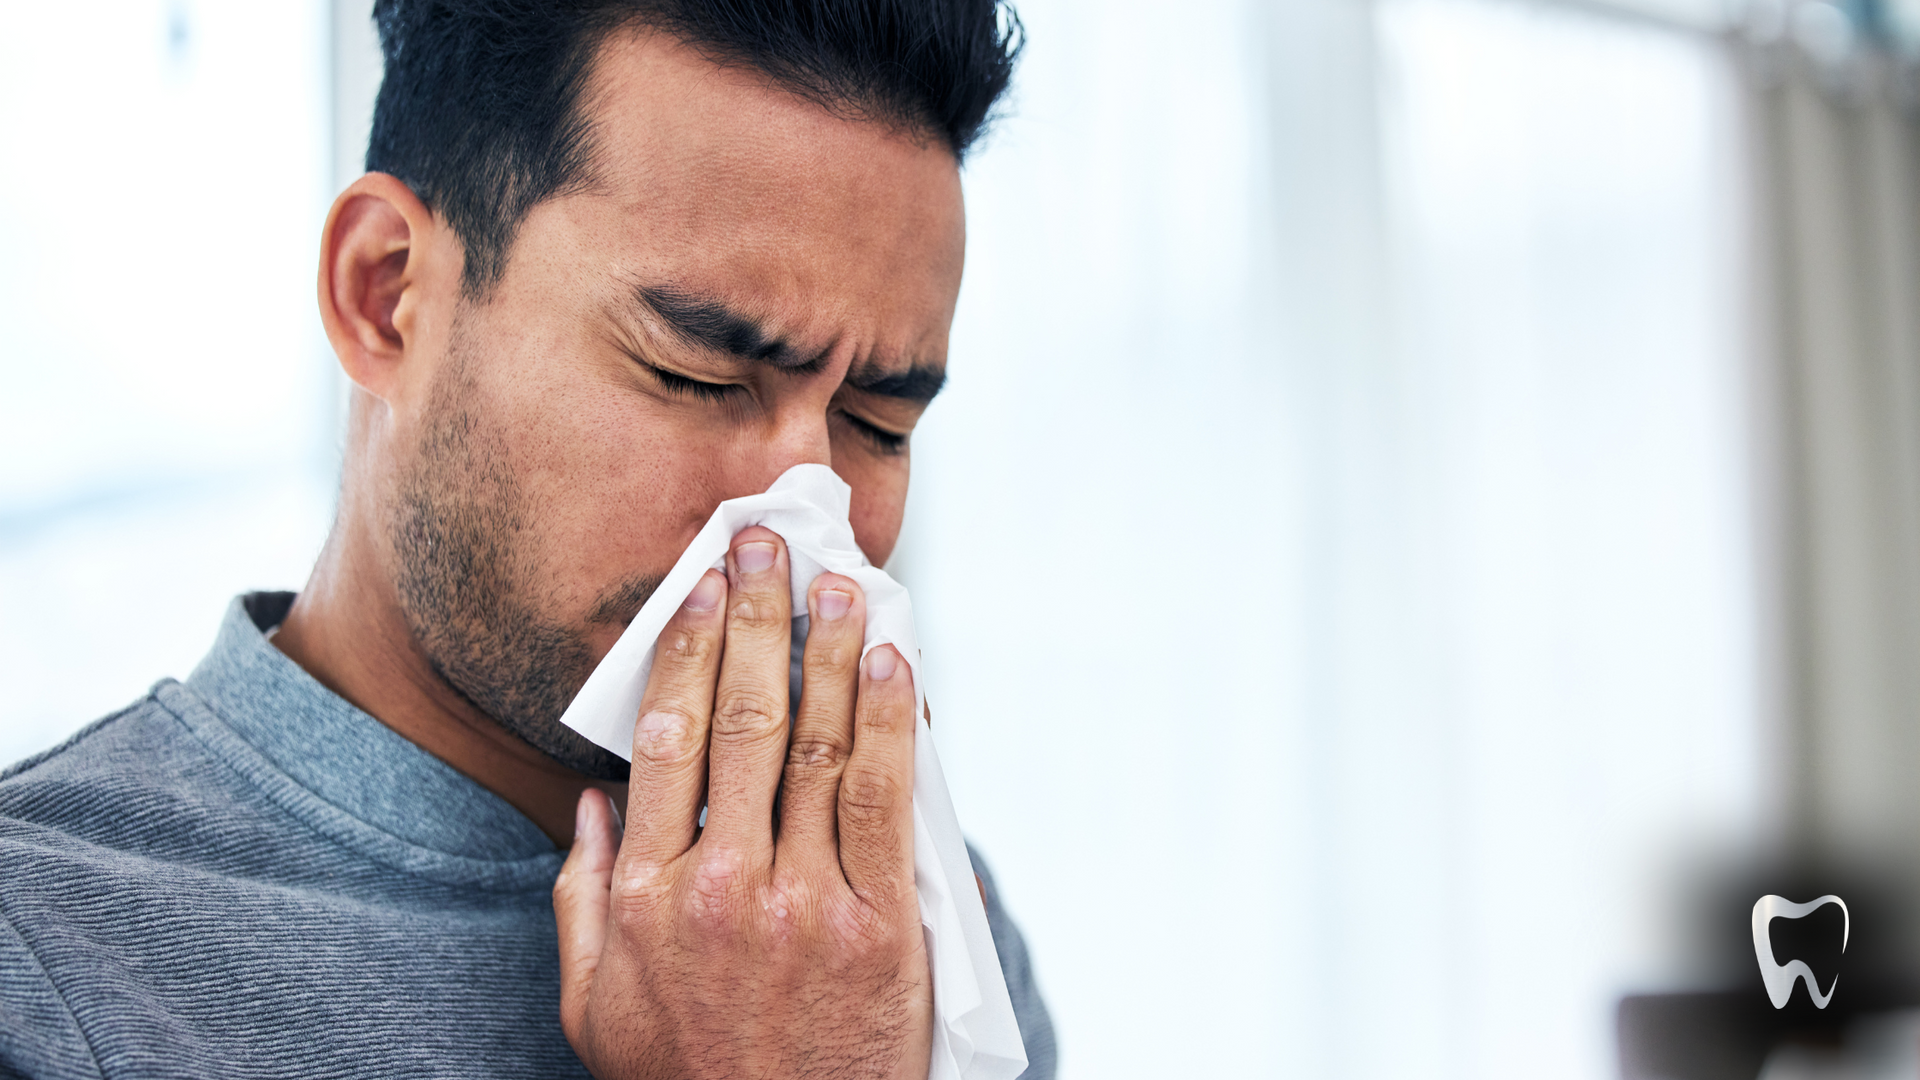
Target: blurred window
166 434
1334 553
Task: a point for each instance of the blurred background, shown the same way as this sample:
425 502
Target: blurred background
1450 470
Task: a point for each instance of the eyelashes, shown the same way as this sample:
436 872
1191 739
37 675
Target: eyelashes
879 438
705 391
886 442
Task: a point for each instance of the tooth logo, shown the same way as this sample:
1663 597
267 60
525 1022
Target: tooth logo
1780 978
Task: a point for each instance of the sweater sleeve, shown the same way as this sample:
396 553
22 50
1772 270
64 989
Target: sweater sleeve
1036 1025
39 1037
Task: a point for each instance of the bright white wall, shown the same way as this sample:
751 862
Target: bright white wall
1334 550
1568 198
1106 549
165 431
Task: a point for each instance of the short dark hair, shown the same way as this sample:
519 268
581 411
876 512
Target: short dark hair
480 108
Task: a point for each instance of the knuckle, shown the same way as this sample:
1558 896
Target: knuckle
870 795
746 714
885 713
714 887
868 923
791 901
664 736
758 612
827 658
573 880
817 752
639 883
685 648
630 917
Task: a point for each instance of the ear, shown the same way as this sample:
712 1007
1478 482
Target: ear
379 252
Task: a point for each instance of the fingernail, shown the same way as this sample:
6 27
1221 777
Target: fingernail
881 663
832 603
580 816
706 593
753 558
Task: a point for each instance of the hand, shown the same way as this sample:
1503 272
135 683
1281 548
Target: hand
742 949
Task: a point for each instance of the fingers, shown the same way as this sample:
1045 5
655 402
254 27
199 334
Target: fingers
580 901
876 791
670 739
749 735
823 728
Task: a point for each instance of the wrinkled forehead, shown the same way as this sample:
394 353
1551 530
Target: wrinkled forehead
710 178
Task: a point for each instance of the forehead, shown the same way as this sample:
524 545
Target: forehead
708 177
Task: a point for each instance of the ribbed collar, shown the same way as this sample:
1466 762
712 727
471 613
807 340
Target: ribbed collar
350 761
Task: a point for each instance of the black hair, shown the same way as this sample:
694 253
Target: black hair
480 108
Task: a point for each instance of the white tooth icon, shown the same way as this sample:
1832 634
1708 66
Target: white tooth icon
1780 978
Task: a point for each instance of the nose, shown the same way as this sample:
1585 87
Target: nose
796 435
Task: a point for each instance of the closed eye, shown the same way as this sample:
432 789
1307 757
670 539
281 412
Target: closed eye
879 438
677 383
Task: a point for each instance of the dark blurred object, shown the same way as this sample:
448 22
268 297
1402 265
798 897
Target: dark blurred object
1727 1034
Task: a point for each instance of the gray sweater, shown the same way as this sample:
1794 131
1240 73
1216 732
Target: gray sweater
245 876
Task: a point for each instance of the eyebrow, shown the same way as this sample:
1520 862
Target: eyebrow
918 383
709 324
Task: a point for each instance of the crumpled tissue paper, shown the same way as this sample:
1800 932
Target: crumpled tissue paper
975 1035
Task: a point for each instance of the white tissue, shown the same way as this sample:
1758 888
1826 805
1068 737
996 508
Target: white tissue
975 1036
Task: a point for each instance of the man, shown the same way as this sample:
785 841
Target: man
612 263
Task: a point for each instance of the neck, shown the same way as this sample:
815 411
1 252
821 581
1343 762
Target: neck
347 630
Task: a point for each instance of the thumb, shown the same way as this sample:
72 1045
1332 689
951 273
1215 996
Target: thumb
580 901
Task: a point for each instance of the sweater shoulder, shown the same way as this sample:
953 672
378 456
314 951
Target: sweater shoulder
126 782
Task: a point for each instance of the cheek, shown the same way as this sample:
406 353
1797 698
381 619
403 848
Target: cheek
616 486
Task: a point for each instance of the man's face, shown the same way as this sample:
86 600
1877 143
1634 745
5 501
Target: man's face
749 283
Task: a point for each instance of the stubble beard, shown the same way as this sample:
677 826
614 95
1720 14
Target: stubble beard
460 534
